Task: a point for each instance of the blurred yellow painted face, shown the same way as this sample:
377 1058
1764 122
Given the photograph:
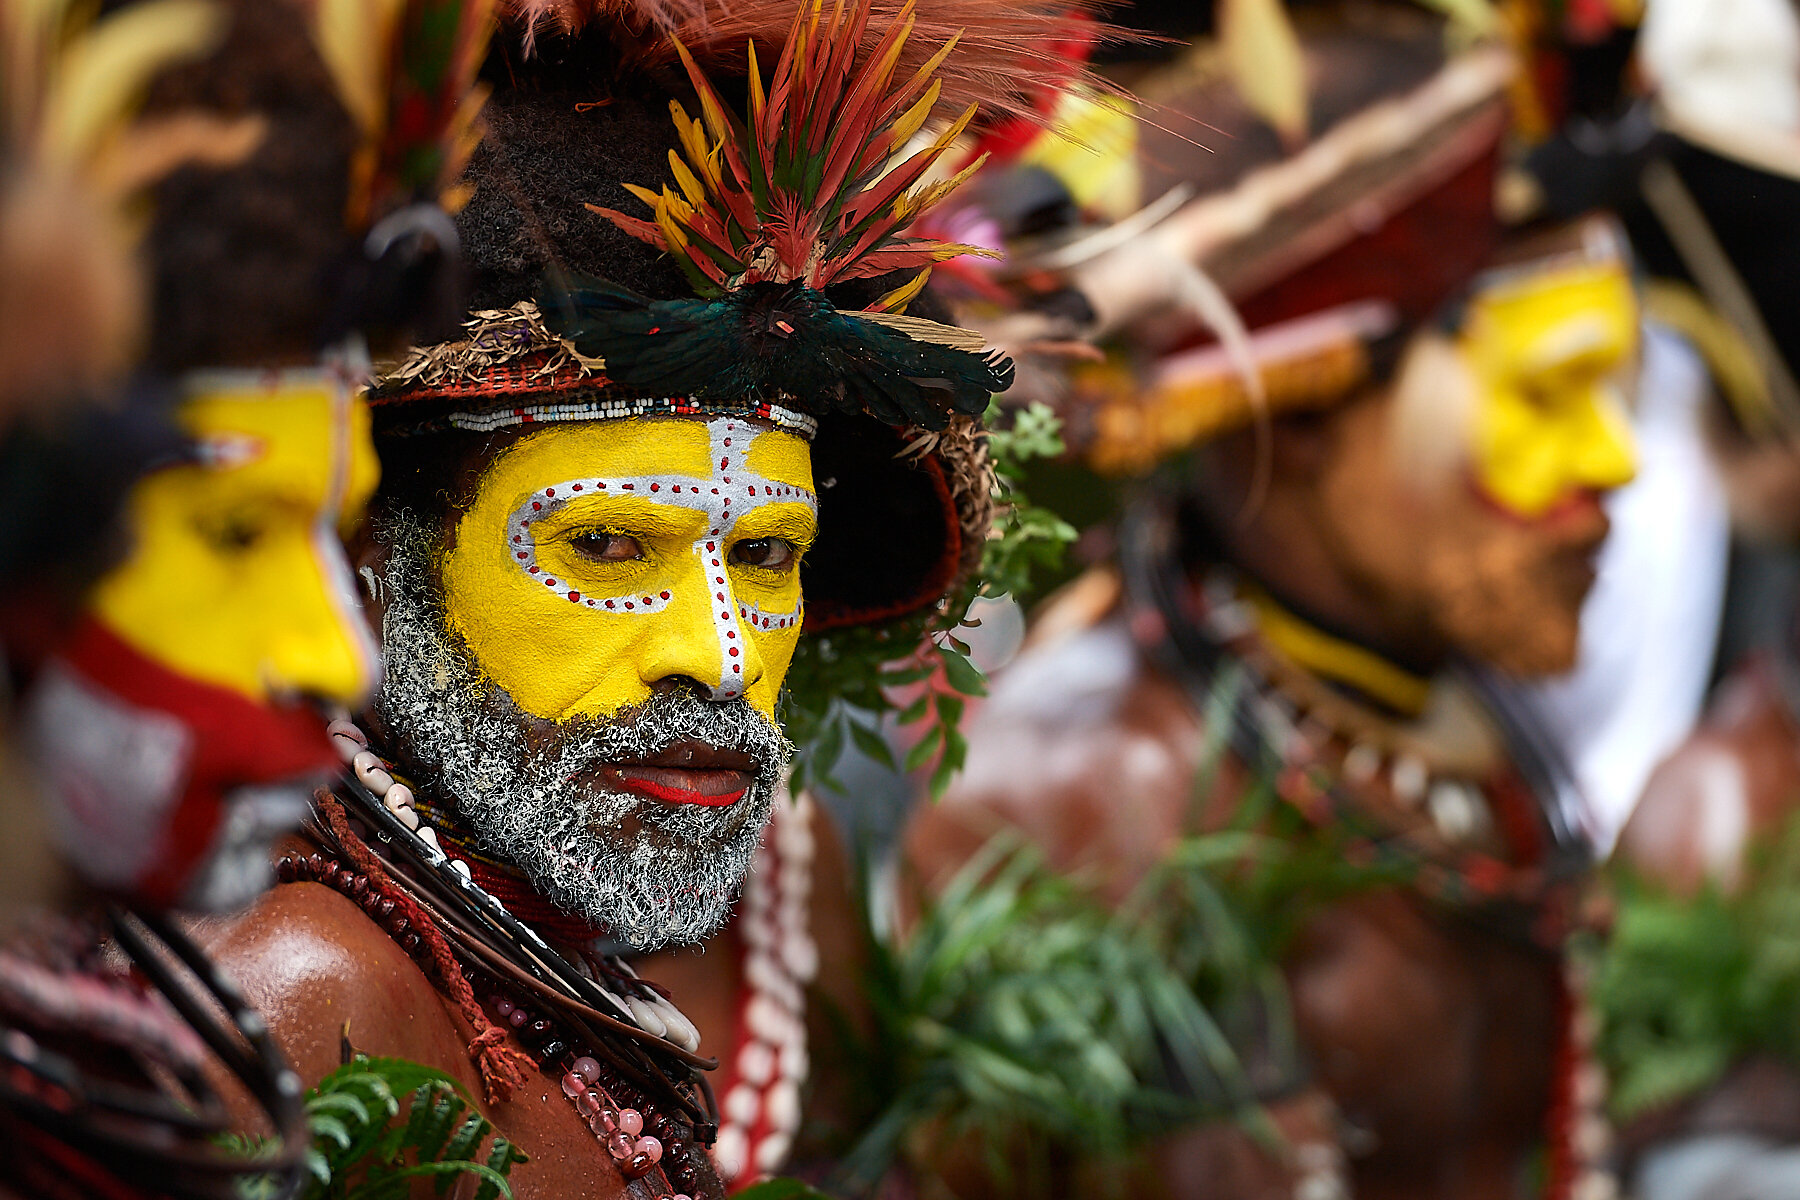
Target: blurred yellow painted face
1548 351
603 557
237 575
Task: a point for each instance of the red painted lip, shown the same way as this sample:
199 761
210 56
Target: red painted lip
686 773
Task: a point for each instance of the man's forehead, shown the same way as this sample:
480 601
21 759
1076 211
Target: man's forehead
1559 317
309 442
700 447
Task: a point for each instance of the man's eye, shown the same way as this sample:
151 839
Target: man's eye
599 546
771 554
233 535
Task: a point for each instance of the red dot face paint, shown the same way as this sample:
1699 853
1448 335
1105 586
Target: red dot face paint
563 667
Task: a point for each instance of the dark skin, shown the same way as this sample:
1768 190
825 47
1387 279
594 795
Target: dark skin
318 968
315 966
1429 1042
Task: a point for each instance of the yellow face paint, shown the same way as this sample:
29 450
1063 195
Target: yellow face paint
1546 352
602 557
237 576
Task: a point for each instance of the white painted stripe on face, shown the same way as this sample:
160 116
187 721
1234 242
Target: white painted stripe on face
730 492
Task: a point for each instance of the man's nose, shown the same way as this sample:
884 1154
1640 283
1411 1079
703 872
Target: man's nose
706 646
1604 456
318 645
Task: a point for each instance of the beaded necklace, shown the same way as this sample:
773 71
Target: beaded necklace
622 1053
768 1064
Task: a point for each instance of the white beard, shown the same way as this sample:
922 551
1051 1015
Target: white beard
673 879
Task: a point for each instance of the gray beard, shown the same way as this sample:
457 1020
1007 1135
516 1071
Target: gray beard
525 786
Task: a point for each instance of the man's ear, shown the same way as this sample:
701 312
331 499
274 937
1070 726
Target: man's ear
368 558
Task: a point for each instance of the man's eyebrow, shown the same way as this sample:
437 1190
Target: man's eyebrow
638 510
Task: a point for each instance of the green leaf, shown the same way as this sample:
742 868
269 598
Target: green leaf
962 674
871 743
927 746
781 1189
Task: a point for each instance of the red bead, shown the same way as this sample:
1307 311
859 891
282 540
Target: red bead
637 1166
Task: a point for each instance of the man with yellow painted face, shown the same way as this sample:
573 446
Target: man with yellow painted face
177 704
1302 632
611 509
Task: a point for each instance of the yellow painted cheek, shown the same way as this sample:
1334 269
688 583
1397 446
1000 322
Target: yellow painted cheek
776 654
559 658
1530 456
269 619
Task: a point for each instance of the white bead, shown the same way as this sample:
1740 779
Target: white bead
742 1105
1455 810
729 1152
372 774
795 885
773 1151
1589 1084
783 1105
399 796
428 835
645 1016
801 955
408 817
757 930
347 729
1362 763
756 1063
767 1019
681 1031
346 748
1593 1137
461 868
1410 780
795 1063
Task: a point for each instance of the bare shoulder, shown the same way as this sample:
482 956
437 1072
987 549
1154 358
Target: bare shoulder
1735 779
320 969
1081 746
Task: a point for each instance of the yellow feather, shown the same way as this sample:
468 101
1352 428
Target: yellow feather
934 62
649 197
914 117
757 100
104 73
684 178
353 37
709 108
1262 53
897 300
671 230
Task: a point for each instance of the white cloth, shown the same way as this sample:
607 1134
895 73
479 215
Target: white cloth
1650 624
1726 65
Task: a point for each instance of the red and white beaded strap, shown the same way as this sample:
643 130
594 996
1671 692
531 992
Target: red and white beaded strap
760 1111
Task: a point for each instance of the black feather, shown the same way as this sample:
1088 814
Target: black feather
772 341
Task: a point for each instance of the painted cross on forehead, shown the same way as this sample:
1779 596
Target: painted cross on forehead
731 492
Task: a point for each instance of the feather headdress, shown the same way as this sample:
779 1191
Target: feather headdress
770 210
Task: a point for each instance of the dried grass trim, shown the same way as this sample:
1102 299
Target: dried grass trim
496 337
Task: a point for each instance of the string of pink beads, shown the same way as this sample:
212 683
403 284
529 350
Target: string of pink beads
620 1130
